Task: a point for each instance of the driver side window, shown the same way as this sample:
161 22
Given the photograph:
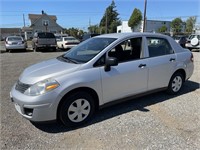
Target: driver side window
128 50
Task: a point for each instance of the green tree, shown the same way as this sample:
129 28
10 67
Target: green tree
110 20
75 32
135 18
176 26
190 22
94 29
162 29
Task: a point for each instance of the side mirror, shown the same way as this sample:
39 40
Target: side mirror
110 61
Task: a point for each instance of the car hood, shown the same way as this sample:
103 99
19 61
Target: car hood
46 69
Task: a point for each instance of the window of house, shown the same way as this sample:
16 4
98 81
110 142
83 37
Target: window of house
158 47
45 22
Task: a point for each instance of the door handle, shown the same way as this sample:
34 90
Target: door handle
172 59
142 65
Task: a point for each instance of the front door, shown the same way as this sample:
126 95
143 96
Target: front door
130 76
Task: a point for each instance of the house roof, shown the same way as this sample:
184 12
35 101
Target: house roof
10 30
34 17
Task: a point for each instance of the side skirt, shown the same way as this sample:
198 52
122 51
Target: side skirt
131 97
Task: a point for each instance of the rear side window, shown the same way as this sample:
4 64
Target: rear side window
158 47
46 35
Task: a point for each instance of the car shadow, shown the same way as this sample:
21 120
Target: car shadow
139 104
50 50
18 51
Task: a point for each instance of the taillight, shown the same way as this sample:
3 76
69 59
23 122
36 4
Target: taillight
192 58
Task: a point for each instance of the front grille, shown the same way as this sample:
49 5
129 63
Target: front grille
21 87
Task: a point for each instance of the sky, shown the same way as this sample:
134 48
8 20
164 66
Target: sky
81 13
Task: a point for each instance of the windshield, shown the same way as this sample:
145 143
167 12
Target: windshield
88 49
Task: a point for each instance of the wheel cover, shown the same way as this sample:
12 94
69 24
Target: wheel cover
177 83
194 42
79 110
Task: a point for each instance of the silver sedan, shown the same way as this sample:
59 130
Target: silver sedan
15 43
100 71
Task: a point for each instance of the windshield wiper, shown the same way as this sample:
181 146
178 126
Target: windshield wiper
67 59
71 60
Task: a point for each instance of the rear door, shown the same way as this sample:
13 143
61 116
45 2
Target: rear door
161 62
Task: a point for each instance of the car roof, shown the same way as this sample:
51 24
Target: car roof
14 36
126 35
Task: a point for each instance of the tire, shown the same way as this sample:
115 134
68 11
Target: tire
76 109
175 84
54 49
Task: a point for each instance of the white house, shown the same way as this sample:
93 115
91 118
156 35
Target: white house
151 26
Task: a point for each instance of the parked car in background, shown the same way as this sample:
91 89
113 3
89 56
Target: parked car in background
59 36
101 71
88 35
67 42
44 40
193 42
13 43
181 39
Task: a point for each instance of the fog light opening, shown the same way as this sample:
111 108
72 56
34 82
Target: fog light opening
28 111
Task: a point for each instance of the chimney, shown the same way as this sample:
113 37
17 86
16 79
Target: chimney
42 11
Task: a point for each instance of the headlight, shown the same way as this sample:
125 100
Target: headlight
41 87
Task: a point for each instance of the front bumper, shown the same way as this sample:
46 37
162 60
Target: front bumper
36 108
189 45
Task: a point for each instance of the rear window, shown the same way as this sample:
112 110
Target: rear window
69 39
14 39
46 35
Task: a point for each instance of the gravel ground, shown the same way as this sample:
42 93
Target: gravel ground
156 121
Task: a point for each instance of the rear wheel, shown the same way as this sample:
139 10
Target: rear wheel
76 109
175 84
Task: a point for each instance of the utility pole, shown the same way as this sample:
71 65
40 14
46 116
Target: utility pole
24 20
144 21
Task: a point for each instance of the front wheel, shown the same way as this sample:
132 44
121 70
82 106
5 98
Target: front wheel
76 109
175 84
